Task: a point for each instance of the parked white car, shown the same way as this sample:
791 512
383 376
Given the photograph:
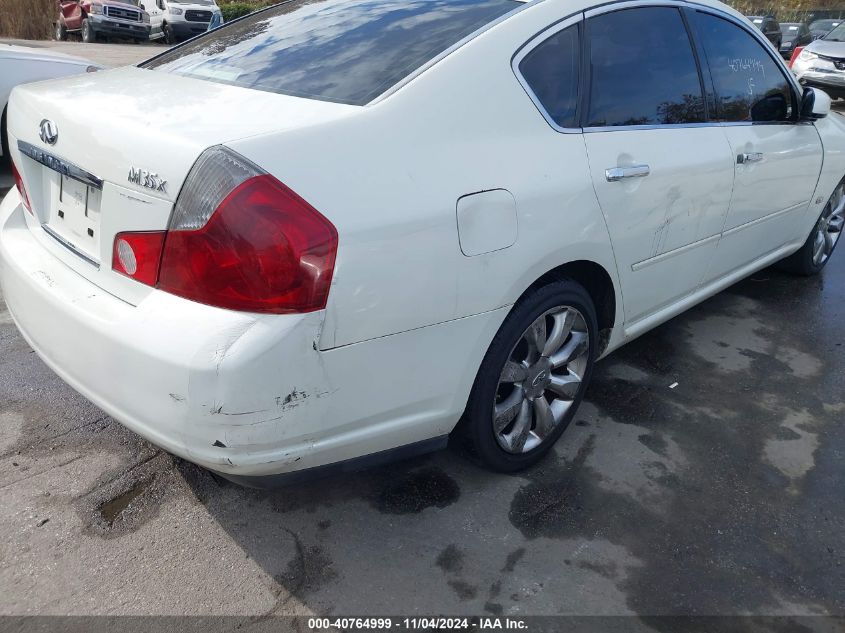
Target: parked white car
177 20
356 223
20 65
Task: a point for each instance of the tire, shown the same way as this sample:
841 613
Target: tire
817 250
169 36
60 32
6 158
504 426
88 34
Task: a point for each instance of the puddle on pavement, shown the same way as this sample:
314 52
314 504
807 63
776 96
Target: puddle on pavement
113 509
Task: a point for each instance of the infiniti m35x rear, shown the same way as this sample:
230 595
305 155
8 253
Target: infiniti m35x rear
357 227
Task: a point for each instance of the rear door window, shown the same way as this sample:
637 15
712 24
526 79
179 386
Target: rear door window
551 71
346 51
643 71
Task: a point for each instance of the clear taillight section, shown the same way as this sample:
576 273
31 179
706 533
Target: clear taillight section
21 188
238 239
137 255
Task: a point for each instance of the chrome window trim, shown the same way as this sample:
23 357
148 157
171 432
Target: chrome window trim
609 7
528 47
59 165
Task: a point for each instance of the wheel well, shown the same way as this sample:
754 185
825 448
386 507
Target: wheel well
599 286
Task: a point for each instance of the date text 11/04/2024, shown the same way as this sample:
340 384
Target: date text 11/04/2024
427 623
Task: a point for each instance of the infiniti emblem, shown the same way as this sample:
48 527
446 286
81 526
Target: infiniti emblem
49 132
538 378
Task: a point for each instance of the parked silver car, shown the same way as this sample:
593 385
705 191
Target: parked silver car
822 63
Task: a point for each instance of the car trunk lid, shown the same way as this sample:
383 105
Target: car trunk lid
124 143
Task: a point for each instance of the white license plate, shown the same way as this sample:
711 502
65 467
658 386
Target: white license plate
75 215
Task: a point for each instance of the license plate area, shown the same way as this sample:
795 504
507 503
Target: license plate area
74 214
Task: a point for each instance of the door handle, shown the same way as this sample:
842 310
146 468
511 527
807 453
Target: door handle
615 174
753 157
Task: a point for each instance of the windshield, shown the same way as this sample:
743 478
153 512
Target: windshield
836 35
347 51
209 2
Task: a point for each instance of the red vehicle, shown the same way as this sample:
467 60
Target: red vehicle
93 19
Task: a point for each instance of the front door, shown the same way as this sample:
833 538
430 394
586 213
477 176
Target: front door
776 157
663 177
72 14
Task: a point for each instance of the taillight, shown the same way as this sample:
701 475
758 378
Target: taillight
240 239
795 53
21 188
137 255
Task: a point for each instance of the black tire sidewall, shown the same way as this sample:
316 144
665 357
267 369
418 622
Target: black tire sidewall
805 263
6 158
88 35
477 424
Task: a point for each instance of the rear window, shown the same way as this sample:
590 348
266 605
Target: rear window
346 51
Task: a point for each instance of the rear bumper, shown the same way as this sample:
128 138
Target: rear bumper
184 30
241 394
112 27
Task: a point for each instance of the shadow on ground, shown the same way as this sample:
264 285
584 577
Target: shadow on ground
722 494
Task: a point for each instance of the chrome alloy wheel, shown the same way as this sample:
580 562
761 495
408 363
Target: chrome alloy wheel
540 379
829 227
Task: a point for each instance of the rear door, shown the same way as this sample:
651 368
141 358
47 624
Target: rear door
777 158
662 174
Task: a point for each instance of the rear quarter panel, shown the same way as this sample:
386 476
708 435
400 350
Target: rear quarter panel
389 179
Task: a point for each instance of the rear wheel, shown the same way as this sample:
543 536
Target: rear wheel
817 250
61 32
6 159
88 34
533 377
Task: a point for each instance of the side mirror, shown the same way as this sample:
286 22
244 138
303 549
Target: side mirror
815 104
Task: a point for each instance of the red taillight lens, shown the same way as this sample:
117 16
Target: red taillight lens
264 249
238 239
21 188
137 255
795 53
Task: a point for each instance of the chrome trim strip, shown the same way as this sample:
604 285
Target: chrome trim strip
677 251
68 245
529 46
771 216
627 4
59 165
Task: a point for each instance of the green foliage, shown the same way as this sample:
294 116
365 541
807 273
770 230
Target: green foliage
234 10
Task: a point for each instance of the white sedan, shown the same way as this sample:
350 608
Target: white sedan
21 65
344 230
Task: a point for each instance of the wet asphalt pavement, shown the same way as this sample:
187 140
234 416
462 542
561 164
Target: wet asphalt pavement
721 495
